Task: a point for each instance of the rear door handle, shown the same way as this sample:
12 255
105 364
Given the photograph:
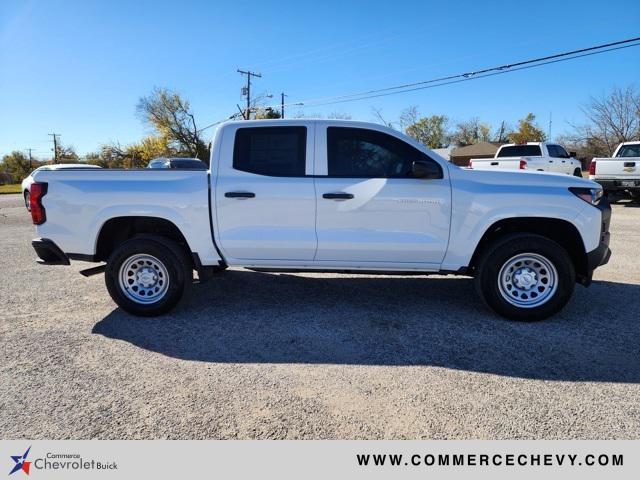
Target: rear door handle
494 163
240 195
338 196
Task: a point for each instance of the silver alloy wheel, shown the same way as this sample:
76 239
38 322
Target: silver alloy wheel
27 200
143 278
528 280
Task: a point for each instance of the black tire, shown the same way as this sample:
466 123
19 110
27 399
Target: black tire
172 260
27 199
503 251
577 172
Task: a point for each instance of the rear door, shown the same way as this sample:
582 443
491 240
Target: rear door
370 208
264 193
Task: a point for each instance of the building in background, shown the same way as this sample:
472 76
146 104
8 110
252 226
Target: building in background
460 156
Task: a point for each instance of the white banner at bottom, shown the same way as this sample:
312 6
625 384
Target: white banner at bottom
339 459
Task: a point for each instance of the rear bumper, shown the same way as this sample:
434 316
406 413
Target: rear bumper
600 256
49 253
616 185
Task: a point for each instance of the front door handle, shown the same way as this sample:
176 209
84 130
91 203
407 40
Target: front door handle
338 196
240 195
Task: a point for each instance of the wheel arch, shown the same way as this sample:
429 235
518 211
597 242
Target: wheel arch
560 231
118 230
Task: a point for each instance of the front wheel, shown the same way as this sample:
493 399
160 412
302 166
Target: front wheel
525 277
147 276
27 200
577 173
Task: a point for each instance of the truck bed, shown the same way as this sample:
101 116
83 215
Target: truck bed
83 200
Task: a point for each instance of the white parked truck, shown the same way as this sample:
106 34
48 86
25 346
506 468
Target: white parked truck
535 156
621 173
324 196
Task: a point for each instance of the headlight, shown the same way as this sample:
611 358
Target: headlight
589 195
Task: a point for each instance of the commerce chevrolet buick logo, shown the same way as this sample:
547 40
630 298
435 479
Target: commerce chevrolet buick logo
21 462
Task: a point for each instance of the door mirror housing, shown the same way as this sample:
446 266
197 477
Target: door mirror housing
426 170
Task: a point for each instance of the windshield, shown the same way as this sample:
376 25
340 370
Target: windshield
157 164
188 163
520 151
629 151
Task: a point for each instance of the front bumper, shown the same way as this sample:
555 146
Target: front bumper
600 256
49 253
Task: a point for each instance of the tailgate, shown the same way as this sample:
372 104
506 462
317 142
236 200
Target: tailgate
618 168
505 163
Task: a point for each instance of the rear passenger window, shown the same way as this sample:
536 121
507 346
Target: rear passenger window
272 151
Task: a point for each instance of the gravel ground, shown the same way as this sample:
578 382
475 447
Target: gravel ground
254 355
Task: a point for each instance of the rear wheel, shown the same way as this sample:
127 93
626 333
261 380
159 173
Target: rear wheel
147 276
27 200
577 172
525 277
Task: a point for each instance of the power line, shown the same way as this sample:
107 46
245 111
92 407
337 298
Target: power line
457 78
446 80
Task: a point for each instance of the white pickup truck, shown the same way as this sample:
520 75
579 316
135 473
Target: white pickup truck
537 156
620 174
324 195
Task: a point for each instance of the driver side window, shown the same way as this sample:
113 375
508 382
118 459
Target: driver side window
362 153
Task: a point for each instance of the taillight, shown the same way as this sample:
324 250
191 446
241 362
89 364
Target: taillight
592 167
523 164
36 192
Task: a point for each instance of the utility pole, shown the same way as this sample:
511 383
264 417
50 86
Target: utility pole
549 137
55 146
282 95
249 74
29 150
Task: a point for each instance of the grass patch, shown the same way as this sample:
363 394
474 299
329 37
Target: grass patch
11 188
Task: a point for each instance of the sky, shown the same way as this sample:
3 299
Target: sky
78 68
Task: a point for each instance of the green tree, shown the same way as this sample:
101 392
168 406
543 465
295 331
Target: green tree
171 117
266 113
430 131
528 131
470 132
16 164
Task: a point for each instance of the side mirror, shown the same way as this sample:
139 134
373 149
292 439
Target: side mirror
572 154
426 170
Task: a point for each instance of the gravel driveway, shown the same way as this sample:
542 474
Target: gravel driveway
255 355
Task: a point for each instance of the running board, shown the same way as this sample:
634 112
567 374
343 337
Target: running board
93 270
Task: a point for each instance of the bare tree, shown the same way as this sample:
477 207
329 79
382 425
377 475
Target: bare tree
612 118
377 113
409 116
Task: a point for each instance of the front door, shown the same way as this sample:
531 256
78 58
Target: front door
369 206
